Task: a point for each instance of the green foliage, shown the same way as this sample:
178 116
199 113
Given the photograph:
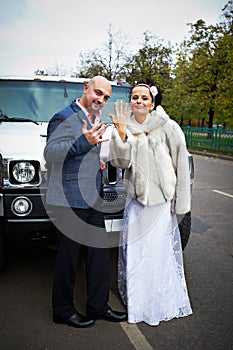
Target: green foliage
196 77
153 61
203 74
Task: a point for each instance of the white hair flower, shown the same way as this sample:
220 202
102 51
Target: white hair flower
154 90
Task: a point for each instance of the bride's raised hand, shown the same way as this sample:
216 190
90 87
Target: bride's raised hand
120 119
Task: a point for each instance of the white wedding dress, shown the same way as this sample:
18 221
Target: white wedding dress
150 270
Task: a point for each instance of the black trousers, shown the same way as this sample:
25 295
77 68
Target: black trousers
96 262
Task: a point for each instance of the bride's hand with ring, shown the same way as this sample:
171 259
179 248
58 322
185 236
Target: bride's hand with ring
120 119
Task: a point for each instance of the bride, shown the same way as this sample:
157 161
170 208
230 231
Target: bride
151 147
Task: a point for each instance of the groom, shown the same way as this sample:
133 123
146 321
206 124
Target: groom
75 183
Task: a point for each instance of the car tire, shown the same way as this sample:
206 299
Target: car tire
2 252
185 229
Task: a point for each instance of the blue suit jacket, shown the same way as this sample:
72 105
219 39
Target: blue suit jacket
74 175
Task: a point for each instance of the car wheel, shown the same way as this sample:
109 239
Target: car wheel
185 229
2 251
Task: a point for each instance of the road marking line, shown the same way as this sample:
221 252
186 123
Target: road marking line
224 193
135 336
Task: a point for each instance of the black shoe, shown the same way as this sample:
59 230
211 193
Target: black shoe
76 320
112 316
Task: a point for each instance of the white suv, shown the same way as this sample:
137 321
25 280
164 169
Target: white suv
26 106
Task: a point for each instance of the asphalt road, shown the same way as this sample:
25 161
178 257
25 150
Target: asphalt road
25 286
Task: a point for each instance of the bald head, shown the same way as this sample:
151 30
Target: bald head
96 94
98 79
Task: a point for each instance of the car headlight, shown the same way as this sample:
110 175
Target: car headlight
21 206
23 172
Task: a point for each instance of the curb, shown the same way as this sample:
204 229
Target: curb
212 155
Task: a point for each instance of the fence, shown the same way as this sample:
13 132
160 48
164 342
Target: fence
217 140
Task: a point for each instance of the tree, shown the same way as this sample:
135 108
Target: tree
107 60
152 61
203 72
180 102
56 70
196 77
197 72
224 55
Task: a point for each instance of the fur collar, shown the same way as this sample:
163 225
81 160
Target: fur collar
154 120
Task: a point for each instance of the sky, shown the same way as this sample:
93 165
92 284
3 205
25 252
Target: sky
40 34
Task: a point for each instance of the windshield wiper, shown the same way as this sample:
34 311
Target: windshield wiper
4 118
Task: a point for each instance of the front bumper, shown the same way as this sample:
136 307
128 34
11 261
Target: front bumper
35 226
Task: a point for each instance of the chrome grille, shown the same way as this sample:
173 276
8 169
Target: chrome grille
114 198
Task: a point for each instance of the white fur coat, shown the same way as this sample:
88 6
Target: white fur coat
156 161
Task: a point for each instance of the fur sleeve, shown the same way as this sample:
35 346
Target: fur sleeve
179 154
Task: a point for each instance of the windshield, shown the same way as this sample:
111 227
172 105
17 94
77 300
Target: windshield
40 100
